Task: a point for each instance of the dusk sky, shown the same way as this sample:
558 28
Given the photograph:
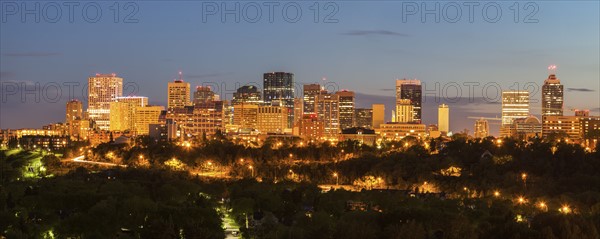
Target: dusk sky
365 51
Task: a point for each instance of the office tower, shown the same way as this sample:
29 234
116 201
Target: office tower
144 117
552 97
178 93
526 128
404 111
207 118
247 94
410 90
74 113
481 129
363 118
102 89
298 110
328 112
272 119
311 128
278 87
203 94
346 105
378 115
444 118
311 91
74 110
245 115
121 116
515 104
123 111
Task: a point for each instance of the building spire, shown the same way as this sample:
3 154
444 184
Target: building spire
552 69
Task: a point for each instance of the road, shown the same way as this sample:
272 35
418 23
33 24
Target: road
80 159
232 229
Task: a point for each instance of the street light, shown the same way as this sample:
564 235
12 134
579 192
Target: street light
565 209
252 169
542 205
521 200
336 179
524 178
496 193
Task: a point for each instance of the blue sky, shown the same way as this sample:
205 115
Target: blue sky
365 51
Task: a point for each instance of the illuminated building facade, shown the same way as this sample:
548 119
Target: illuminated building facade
346 105
103 89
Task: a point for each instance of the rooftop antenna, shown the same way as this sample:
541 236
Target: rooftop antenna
180 76
552 69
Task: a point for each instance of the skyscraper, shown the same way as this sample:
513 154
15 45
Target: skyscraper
74 110
378 115
363 118
444 118
278 88
178 94
74 114
346 108
103 89
310 92
481 129
328 112
123 112
247 94
203 94
404 111
515 104
410 90
552 97
144 117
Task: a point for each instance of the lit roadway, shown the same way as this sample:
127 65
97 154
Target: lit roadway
232 229
80 159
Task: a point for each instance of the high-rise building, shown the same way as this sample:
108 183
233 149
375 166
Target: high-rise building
247 94
245 115
123 112
311 128
363 118
404 111
144 117
481 129
526 128
310 92
204 94
298 110
410 90
515 104
327 106
102 89
74 110
278 87
272 119
207 118
121 116
73 114
378 115
178 93
552 97
444 118
346 108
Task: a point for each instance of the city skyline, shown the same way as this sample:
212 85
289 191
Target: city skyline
384 48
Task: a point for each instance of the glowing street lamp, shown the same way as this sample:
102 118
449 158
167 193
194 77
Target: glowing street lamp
337 178
521 200
542 205
496 193
252 169
565 209
524 178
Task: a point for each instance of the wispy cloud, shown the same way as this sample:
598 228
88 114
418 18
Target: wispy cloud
580 89
31 54
387 89
374 33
